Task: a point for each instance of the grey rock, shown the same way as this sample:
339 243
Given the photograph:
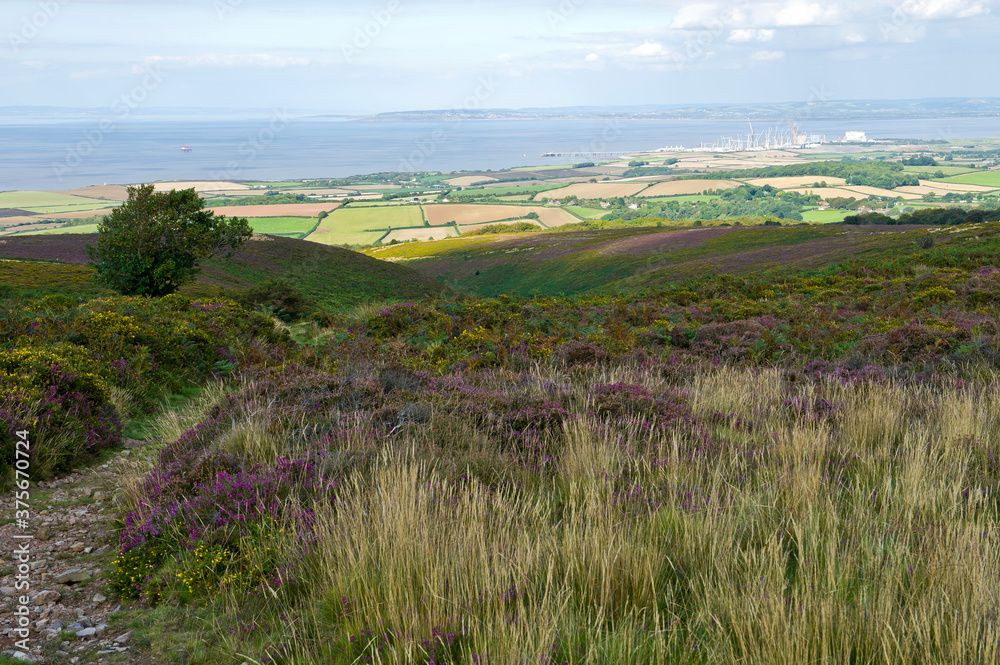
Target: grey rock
46 597
72 576
123 638
85 633
8 590
100 628
99 597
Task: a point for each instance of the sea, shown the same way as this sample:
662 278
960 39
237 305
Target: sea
57 153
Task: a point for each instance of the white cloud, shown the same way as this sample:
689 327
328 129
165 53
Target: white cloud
937 9
592 57
694 16
855 39
649 50
748 35
799 13
768 55
228 60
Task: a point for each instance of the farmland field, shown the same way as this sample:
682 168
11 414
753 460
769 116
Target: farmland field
982 178
279 210
594 190
501 190
45 202
679 187
82 228
351 226
295 227
947 170
202 185
423 233
824 216
445 213
467 180
958 187
587 213
854 192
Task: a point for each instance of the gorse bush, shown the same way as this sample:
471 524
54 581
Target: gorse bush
61 361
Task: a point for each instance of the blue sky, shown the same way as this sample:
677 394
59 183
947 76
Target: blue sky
364 57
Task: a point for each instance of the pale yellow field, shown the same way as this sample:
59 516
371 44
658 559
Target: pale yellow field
405 235
594 190
797 181
556 217
680 187
445 213
466 180
200 185
877 191
956 186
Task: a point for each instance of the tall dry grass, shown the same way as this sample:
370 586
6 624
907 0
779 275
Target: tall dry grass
857 524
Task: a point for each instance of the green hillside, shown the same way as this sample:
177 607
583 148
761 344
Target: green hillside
575 262
332 277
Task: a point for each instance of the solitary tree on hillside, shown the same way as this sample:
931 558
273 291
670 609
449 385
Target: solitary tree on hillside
151 244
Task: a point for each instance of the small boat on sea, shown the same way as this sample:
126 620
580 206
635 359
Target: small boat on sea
185 148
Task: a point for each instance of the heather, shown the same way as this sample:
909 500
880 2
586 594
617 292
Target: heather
780 467
71 372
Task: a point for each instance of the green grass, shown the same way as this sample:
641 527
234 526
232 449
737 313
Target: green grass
332 277
586 213
292 227
824 216
358 226
983 178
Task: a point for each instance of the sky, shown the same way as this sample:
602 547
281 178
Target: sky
395 55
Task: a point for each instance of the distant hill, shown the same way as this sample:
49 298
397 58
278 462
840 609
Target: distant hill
334 278
574 262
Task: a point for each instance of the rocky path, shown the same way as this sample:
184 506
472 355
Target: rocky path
73 616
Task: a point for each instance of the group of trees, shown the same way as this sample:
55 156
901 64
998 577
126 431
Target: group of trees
871 173
743 201
928 217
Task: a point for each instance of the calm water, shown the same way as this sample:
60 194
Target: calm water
61 154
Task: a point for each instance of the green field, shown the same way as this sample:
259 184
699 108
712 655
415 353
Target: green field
824 216
514 189
360 226
984 178
586 213
51 202
292 227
